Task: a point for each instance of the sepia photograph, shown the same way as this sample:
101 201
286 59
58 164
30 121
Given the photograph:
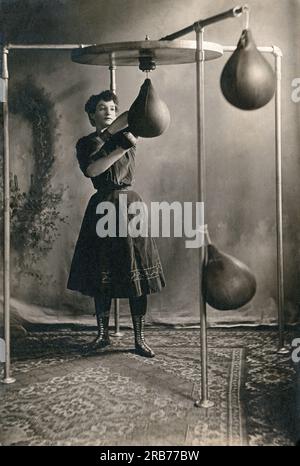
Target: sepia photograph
150 225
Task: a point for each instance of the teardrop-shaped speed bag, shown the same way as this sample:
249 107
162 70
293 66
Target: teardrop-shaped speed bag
227 283
247 80
148 116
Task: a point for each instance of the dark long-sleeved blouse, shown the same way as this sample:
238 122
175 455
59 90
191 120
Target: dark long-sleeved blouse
118 175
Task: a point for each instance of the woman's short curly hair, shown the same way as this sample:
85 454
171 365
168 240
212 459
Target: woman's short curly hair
91 105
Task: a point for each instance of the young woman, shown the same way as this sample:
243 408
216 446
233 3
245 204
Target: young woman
112 267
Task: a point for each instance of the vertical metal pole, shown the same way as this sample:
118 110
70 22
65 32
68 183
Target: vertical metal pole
113 88
277 53
200 60
112 70
6 231
279 230
117 318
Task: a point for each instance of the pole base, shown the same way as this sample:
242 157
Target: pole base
8 380
283 350
116 334
204 404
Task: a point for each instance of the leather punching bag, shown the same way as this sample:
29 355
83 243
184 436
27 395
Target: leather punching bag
227 283
148 116
248 81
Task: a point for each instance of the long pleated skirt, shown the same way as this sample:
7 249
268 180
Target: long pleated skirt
119 267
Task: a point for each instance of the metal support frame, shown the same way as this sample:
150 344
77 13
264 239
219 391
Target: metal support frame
202 23
277 53
112 71
6 190
113 88
198 27
117 332
204 401
6 199
283 348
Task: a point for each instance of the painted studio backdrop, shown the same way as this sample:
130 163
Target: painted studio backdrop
49 193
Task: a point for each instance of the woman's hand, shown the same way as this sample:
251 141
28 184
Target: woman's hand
126 140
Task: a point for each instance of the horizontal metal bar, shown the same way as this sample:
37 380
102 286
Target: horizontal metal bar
232 13
271 49
48 46
226 48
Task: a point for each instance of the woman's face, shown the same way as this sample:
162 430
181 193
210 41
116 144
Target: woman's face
105 114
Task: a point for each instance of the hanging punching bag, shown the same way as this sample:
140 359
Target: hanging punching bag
227 283
247 81
148 116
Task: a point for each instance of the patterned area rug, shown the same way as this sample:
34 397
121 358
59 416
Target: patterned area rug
64 396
